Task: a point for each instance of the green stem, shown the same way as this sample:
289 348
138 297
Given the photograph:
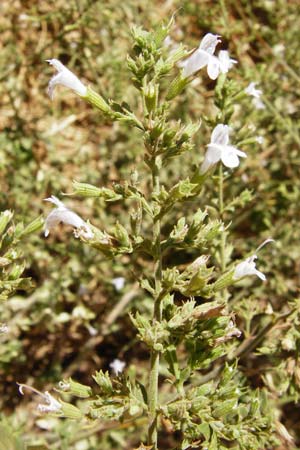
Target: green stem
157 316
221 213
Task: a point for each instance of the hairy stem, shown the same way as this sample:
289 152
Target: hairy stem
221 212
157 315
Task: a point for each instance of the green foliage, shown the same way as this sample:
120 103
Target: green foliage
11 264
218 414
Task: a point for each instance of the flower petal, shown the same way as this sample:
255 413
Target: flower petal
66 78
241 270
225 61
117 366
260 275
52 405
195 62
251 90
212 157
258 104
248 267
56 64
55 201
229 158
220 135
213 153
239 152
61 214
209 43
213 68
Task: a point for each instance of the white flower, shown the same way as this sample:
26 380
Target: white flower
225 61
51 404
219 150
258 104
260 140
204 56
248 267
3 328
118 283
251 90
256 94
61 214
66 78
117 366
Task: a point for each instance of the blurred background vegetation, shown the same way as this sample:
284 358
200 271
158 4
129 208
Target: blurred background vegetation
63 326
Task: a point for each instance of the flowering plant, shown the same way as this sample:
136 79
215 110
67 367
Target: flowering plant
190 331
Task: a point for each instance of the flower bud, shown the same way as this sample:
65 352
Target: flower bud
96 100
86 190
150 94
70 411
75 388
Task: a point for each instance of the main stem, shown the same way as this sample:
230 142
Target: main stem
157 316
221 213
